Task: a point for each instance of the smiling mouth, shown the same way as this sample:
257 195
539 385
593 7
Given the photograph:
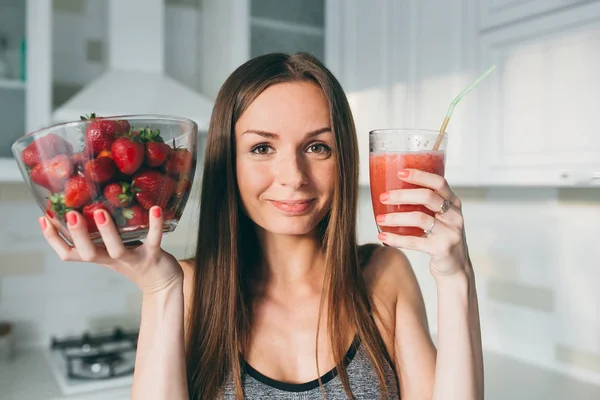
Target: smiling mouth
292 207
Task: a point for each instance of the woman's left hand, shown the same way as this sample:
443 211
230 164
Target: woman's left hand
444 239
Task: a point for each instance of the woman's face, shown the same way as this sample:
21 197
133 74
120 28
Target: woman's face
285 158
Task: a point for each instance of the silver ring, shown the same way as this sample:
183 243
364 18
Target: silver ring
445 207
428 231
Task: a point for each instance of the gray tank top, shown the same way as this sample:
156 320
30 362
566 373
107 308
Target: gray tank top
361 375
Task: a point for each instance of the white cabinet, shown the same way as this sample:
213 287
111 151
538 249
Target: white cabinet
401 65
539 117
25 94
234 31
494 13
360 57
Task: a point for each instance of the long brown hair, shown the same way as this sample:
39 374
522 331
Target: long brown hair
227 250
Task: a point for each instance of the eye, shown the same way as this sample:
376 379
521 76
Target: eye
320 149
261 149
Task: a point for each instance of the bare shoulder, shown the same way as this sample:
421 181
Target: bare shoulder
387 271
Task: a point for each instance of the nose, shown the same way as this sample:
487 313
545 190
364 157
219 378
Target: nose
291 172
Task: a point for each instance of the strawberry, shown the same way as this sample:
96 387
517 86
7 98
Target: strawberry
156 149
52 174
78 191
101 169
56 206
101 133
105 153
88 214
156 153
152 188
134 216
79 159
179 161
128 154
45 148
118 194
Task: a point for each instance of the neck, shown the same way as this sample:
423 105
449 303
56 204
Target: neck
292 264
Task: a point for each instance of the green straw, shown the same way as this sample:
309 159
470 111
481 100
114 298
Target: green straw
455 102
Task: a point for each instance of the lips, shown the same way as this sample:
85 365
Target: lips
293 207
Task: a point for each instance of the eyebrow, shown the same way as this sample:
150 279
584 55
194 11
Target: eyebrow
271 135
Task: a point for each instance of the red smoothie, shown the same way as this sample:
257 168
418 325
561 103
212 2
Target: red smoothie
383 169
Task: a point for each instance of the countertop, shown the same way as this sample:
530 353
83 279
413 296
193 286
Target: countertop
28 377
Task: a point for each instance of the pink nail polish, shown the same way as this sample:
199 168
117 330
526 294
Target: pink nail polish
382 236
156 212
42 222
71 218
384 196
404 173
380 219
100 217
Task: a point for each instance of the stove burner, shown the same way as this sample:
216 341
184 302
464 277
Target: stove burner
100 356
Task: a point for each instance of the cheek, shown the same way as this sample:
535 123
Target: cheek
325 177
253 178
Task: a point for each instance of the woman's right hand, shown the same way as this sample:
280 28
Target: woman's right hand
148 266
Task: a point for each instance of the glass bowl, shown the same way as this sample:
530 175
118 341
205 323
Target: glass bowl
123 164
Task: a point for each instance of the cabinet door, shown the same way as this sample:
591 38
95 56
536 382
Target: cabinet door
539 118
358 53
493 13
433 45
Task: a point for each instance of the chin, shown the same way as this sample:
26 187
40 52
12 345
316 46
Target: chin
289 228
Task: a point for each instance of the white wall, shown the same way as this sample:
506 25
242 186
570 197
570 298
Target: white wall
536 257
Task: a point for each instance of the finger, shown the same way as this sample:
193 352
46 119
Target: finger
154 236
60 247
422 244
110 235
432 181
426 197
452 218
412 219
81 239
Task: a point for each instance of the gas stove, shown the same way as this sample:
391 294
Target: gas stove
93 362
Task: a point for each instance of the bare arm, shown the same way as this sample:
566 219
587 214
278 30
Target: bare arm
455 370
160 369
459 366
160 365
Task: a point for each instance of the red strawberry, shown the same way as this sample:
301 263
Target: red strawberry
88 214
152 188
179 161
78 191
182 186
101 169
49 212
156 149
79 159
45 148
134 216
101 133
105 153
128 154
53 173
56 206
118 194
156 153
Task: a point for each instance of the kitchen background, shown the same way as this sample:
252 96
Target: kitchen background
524 154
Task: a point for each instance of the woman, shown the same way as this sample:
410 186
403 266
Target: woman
280 301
